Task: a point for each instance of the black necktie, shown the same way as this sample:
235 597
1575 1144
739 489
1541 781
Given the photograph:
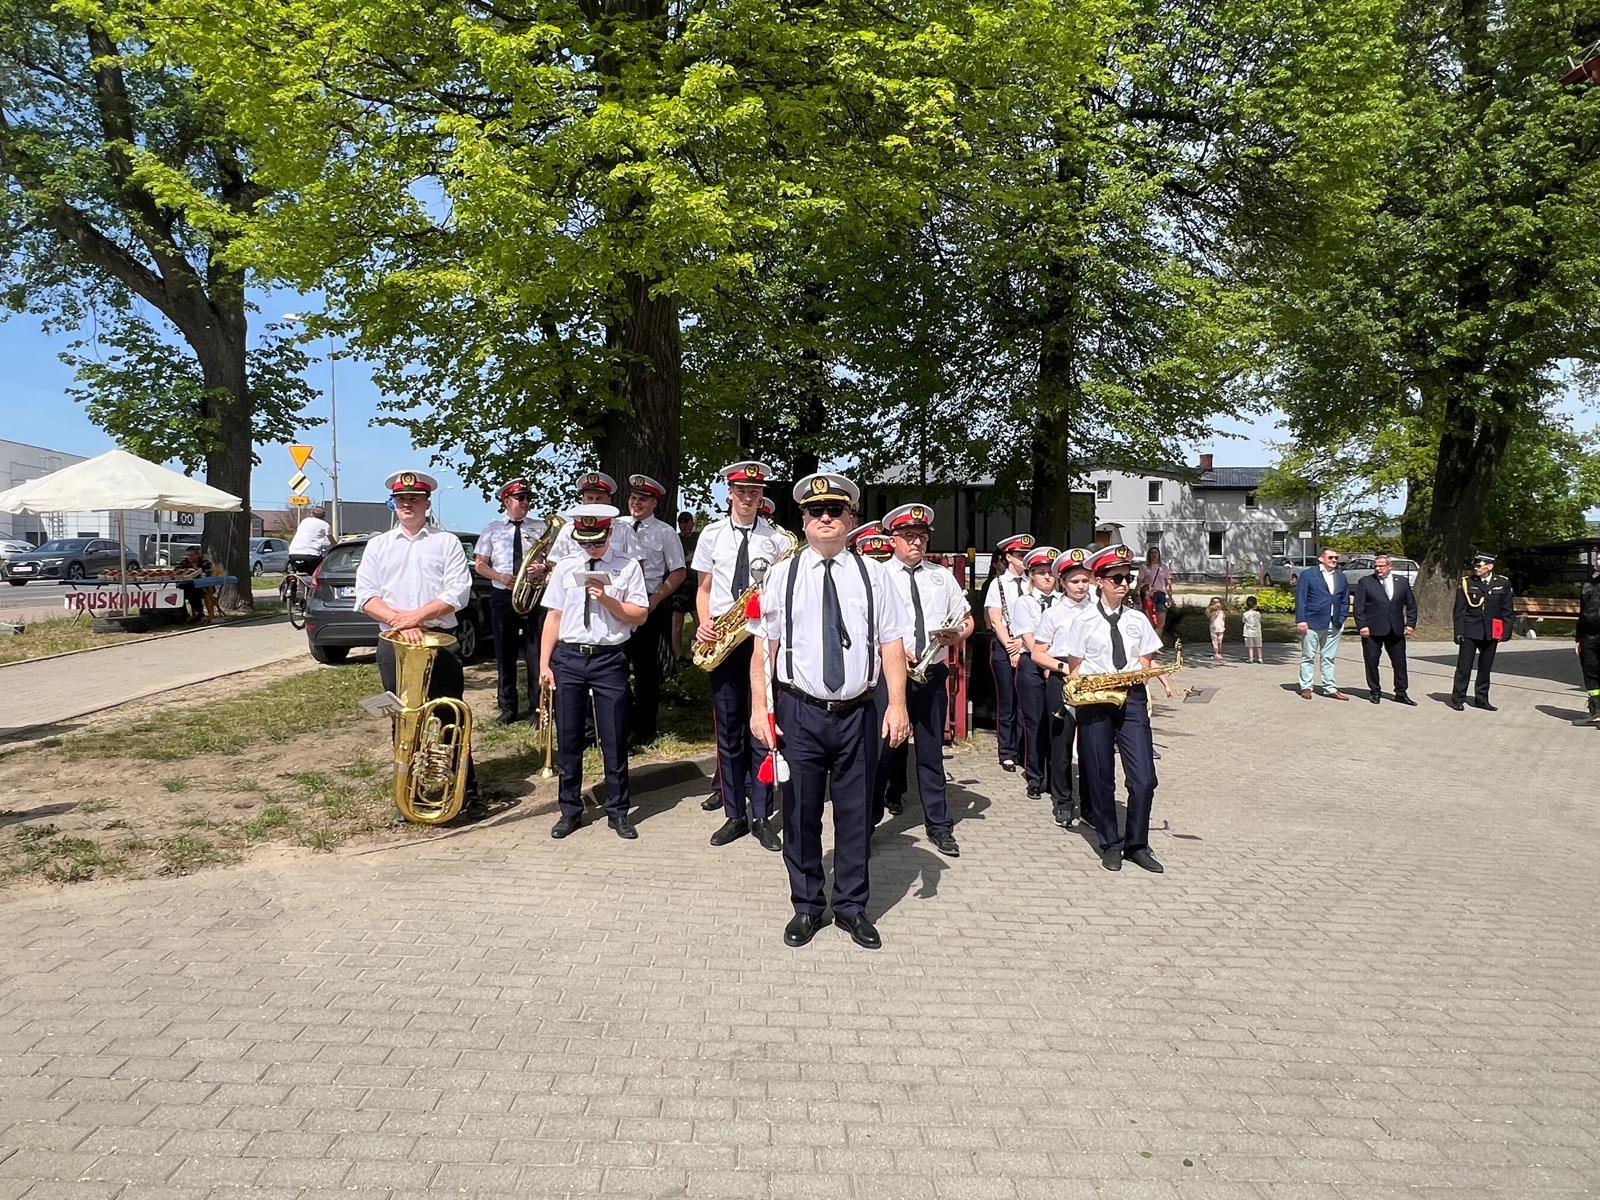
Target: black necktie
1119 652
516 547
1019 585
916 605
1046 600
588 600
834 638
741 565
638 523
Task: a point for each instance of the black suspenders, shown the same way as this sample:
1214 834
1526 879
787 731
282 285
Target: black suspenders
788 619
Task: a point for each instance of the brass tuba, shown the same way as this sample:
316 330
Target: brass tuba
732 626
528 588
1112 686
432 738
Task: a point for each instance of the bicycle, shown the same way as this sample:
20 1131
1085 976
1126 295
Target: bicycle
295 592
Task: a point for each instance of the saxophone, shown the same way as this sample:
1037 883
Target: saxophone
732 627
1112 686
528 589
432 737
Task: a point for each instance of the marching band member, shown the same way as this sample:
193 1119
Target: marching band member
1107 639
1025 616
498 558
412 578
878 546
829 624
1049 654
593 487
999 602
661 557
728 556
866 530
933 597
595 599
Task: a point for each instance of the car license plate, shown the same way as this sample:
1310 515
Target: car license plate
24 569
344 593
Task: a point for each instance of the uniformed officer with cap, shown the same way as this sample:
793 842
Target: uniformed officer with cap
1039 563
830 624
498 558
593 487
1110 638
661 558
1482 619
1068 796
1006 588
412 578
731 552
595 601
936 602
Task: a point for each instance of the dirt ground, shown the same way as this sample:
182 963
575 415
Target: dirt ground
83 807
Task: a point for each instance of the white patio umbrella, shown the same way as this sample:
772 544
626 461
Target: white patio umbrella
119 482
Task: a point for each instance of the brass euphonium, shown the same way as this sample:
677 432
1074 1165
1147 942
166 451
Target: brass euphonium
544 728
528 588
1111 687
732 626
432 737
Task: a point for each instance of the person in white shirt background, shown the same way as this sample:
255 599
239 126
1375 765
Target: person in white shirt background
660 553
499 556
1026 614
311 540
1006 587
1068 795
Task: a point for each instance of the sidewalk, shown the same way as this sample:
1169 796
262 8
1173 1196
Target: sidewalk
36 695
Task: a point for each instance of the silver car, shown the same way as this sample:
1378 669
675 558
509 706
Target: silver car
1359 566
1284 569
268 556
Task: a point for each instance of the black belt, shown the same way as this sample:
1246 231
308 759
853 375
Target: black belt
833 706
589 650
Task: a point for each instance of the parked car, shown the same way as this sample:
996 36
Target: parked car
68 558
268 556
168 548
11 547
334 627
1359 566
1284 569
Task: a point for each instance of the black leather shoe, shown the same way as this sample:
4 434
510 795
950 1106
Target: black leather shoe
506 718
1065 815
945 843
1007 764
624 827
711 803
1375 698
1457 705
894 806
566 825
765 834
1143 858
1033 793
732 830
802 927
472 811
1402 698
1111 860
862 931
1485 705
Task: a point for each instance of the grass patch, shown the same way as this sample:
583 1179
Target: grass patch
42 849
324 838
268 823
312 702
175 784
186 853
91 807
58 636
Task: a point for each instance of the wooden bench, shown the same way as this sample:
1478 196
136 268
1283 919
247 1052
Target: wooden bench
1537 607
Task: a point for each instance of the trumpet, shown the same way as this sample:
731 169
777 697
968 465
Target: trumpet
544 728
955 618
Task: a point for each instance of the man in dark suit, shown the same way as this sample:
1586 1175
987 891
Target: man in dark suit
1321 605
1386 614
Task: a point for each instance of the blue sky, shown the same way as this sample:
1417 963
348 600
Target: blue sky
37 409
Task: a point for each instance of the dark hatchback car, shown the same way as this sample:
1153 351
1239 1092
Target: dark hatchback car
68 558
334 627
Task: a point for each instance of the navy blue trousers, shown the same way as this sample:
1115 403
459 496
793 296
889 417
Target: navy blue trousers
605 678
1007 726
738 755
515 638
1035 722
1063 718
1106 732
928 705
829 754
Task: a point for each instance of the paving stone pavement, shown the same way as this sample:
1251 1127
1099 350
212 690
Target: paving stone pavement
1372 970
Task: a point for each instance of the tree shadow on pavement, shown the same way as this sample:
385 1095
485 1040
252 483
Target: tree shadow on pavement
1573 716
1554 665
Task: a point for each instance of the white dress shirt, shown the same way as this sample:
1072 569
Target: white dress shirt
890 612
313 536
1089 638
566 595
717 551
1388 586
1029 613
497 543
660 548
942 601
1016 587
622 541
1328 580
408 572
1053 626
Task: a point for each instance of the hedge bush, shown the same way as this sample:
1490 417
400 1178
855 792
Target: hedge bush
1273 600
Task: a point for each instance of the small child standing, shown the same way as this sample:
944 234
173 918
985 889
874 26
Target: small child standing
1218 617
1252 631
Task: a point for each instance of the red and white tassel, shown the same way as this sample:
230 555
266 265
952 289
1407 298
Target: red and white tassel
774 767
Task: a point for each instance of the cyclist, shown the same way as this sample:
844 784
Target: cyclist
311 541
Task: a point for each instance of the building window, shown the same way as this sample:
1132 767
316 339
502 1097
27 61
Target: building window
1249 499
1155 491
1280 541
1214 543
1102 489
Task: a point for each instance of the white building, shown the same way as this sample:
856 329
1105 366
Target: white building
1207 519
20 462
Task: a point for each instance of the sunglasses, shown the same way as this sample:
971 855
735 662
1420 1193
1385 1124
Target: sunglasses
1119 580
832 509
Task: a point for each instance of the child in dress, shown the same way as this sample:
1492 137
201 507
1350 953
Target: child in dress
1218 616
1252 631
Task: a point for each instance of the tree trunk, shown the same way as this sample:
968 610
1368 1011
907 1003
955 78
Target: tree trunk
1053 468
642 436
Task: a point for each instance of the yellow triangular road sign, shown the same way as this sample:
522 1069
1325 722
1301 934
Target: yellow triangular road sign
300 454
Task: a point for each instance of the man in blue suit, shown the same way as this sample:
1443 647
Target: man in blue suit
1321 604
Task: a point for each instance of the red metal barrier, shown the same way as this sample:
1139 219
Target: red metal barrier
955 722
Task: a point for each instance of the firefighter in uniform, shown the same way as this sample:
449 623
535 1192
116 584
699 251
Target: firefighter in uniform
829 624
596 599
1068 797
1107 639
1482 620
498 558
731 554
1025 617
936 603
412 578
999 604
661 557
